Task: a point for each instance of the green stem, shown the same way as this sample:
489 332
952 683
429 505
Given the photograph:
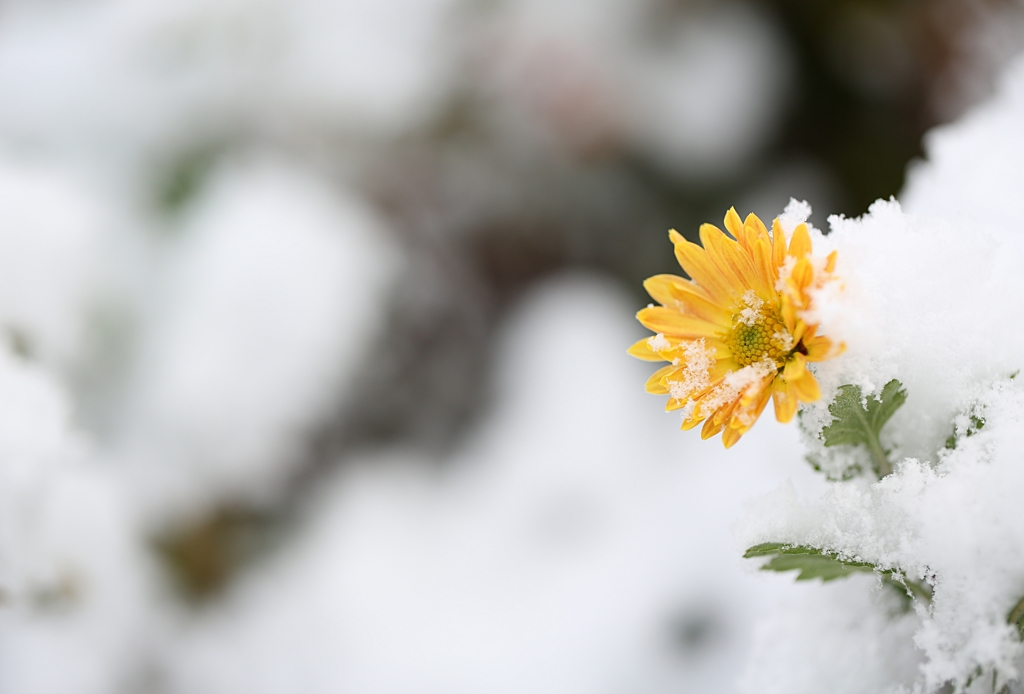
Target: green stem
882 465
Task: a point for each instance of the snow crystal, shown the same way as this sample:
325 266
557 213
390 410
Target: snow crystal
698 360
785 340
753 304
797 212
659 342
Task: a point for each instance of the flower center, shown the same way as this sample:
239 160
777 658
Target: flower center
758 334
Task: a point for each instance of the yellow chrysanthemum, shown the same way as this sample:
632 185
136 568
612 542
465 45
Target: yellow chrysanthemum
737 333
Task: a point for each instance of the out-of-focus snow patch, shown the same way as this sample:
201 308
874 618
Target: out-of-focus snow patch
578 542
50 231
697 90
72 579
846 637
273 290
117 82
702 99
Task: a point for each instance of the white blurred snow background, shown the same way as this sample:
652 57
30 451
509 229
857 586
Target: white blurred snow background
314 314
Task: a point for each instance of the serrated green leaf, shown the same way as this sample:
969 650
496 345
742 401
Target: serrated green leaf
765 549
812 563
809 561
857 420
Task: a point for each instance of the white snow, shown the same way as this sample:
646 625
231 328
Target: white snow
557 551
272 293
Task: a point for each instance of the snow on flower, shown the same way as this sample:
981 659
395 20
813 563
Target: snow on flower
738 333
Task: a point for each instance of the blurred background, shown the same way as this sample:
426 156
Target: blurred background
316 311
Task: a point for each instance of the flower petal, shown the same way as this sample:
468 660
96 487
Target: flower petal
641 349
694 260
656 383
778 244
830 262
731 261
711 427
686 296
785 401
730 436
671 322
733 224
806 387
795 368
800 244
821 348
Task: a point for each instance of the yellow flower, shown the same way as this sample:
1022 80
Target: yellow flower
736 334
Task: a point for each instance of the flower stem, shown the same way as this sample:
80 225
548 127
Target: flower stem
882 465
878 456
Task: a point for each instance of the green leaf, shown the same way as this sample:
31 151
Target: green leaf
809 561
857 420
975 423
1016 618
812 562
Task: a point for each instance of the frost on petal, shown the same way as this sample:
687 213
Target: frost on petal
698 359
752 308
659 342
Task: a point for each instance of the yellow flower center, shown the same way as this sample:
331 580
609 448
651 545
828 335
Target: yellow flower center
758 334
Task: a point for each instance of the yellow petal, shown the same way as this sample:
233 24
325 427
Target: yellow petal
761 255
641 349
806 387
730 436
755 223
778 244
803 273
800 244
713 240
672 323
785 401
830 262
821 348
732 261
733 224
690 423
676 292
788 309
795 369
694 260
710 429
656 383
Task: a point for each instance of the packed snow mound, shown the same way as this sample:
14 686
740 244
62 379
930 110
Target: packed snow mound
72 577
50 235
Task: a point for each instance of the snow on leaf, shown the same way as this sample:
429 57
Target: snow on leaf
859 420
813 563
